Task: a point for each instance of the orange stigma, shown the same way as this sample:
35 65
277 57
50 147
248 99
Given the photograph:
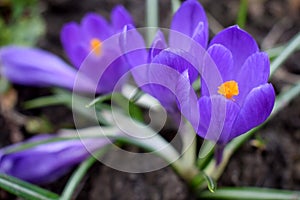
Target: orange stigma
229 89
96 46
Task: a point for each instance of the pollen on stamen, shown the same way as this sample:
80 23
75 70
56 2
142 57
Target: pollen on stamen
229 89
96 46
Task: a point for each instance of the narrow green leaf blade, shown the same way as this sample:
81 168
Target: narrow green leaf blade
46 101
79 174
212 186
292 46
251 193
25 190
98 100
242 15
198 183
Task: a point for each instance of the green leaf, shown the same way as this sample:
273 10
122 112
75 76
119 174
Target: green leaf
250 193
135 112
205 153
77 176
197 84
210 183
276 51
144 100
145 137
25 190
292 46
63 97
137 96
127 106
198 182
283 99
52 100
99 100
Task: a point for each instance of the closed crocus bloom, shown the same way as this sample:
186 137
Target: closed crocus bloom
189 25
36 67
84 44
47 162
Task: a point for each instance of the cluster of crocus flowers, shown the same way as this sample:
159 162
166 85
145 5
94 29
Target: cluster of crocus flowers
235 95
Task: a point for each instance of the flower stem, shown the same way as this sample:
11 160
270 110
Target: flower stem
242 14
189 145
152 18
175 5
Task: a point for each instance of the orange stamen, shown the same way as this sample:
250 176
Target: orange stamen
229 89
96 46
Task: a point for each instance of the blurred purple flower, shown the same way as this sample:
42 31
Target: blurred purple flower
189 24
46 162
36 67
79 40
84 44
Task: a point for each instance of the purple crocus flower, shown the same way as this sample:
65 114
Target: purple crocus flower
235 95
36 67
189 24
85 45
46 162
242 99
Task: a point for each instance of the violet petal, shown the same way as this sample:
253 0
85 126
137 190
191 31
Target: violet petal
186 20
119 18
256 109
239 42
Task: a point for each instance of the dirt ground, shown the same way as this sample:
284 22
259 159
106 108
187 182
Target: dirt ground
275 164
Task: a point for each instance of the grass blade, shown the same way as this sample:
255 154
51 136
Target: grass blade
79 174
292 46
25 190
250 193
242 14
